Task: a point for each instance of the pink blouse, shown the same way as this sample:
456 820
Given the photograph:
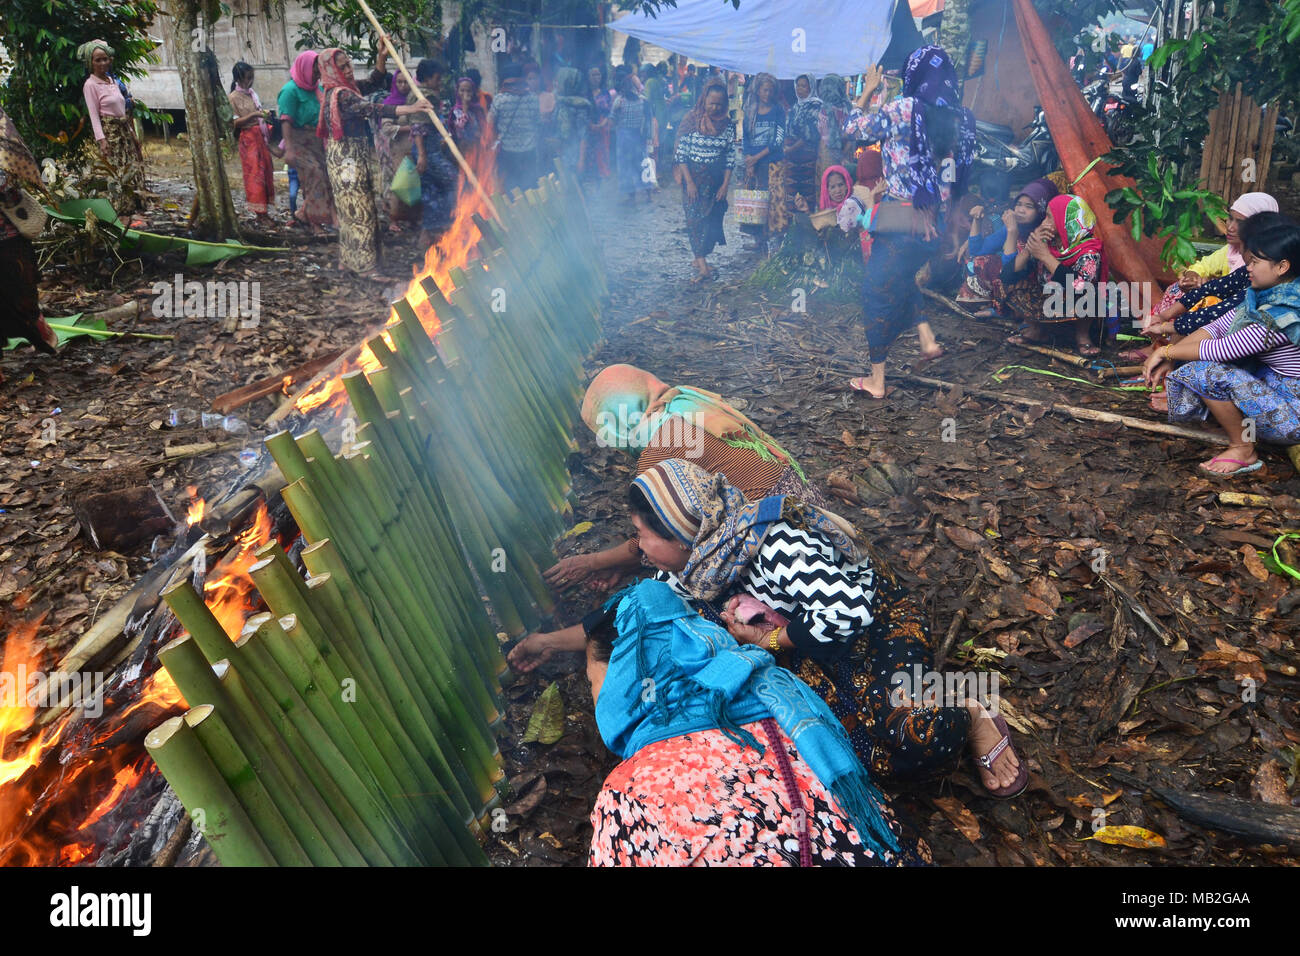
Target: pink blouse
102 99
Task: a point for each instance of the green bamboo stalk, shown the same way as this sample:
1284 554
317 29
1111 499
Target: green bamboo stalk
314 823
245 784
216 813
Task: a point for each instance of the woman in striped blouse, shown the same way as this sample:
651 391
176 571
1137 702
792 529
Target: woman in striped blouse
1245 367
704 158
798 581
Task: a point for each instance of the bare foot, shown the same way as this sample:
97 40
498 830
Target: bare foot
984 736
1160 401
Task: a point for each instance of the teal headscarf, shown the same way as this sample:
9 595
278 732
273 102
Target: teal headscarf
702 679
1277 309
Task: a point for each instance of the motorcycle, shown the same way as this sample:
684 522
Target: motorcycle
999 162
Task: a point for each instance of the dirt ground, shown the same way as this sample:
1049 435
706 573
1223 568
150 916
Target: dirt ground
1001 526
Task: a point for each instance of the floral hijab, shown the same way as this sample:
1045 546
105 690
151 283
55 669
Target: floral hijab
1075 222
932 79
332 84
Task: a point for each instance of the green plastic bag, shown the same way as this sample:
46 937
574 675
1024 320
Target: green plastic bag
406 182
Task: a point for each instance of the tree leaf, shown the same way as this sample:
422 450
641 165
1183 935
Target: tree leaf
1140 838
546 725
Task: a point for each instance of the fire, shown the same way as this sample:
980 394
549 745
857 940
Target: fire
452 251
227 589
123 780
21 657
197 506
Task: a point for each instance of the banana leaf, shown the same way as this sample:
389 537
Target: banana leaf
84 326
197 252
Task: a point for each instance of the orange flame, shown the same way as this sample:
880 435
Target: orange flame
228 587
22 659
197 506
452 251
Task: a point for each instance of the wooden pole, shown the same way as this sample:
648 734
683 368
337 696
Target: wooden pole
415 88
1087 414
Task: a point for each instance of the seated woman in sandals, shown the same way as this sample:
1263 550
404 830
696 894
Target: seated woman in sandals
828 608
631 409
1061 258
1211 286
1245 365
984 256
728 760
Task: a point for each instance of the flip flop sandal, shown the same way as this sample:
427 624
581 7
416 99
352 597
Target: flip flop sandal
855 384
1017 786
1245 469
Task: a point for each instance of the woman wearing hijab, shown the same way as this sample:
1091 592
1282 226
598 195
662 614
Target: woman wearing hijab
393 144
731 761
630 408
110 107
572 117
927 143
986 255
634 129
831 117
802 147
705 156
1060 259
468 120
1246 364
254 150
1211 286
299 109
349 156
20 275
801 583
827 260
762 144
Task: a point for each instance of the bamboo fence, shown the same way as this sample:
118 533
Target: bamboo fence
354 722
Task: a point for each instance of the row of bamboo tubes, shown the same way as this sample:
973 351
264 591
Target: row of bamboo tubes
354 723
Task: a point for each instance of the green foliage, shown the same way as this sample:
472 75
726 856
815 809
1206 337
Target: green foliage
1160 148
652 7
43 91
342 23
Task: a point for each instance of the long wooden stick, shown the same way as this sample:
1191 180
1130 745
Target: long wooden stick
415 88
1087 414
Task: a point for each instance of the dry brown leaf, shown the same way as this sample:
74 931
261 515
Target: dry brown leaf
1269 786
1253 564
960 817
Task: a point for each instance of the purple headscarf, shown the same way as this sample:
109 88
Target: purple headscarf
304 64
931 79
395 96
1040 192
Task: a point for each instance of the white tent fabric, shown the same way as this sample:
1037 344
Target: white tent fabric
783 37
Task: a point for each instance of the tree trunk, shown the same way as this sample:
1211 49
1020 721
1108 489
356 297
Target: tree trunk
214 212
954 34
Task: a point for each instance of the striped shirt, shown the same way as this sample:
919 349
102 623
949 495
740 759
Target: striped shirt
1254 341
745 468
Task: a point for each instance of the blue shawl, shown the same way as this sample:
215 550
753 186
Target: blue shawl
673 673
1277 309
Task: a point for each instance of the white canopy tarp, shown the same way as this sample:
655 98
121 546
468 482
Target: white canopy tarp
782 37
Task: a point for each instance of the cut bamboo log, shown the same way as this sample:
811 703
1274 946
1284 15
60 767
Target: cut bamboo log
214 810
239 397
1078 361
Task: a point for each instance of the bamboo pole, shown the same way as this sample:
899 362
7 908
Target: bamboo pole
216 813
235 767
318 821
437 121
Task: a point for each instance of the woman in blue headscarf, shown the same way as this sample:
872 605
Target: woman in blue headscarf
927 143
727 758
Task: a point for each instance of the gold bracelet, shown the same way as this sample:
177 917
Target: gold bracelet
1168 358
772 640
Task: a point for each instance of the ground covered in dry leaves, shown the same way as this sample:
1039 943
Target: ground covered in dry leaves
1117 681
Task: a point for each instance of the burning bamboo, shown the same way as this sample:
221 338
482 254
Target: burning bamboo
354 721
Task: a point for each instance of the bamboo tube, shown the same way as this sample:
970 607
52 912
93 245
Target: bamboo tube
315 824
335 749
245 784
443 714
197 619
215 811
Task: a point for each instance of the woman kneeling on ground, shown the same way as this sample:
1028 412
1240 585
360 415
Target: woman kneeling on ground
984 256
727 758
631 409
1264 334
831 610
1061 259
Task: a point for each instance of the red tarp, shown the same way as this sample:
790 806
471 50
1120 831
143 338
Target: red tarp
1080 139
